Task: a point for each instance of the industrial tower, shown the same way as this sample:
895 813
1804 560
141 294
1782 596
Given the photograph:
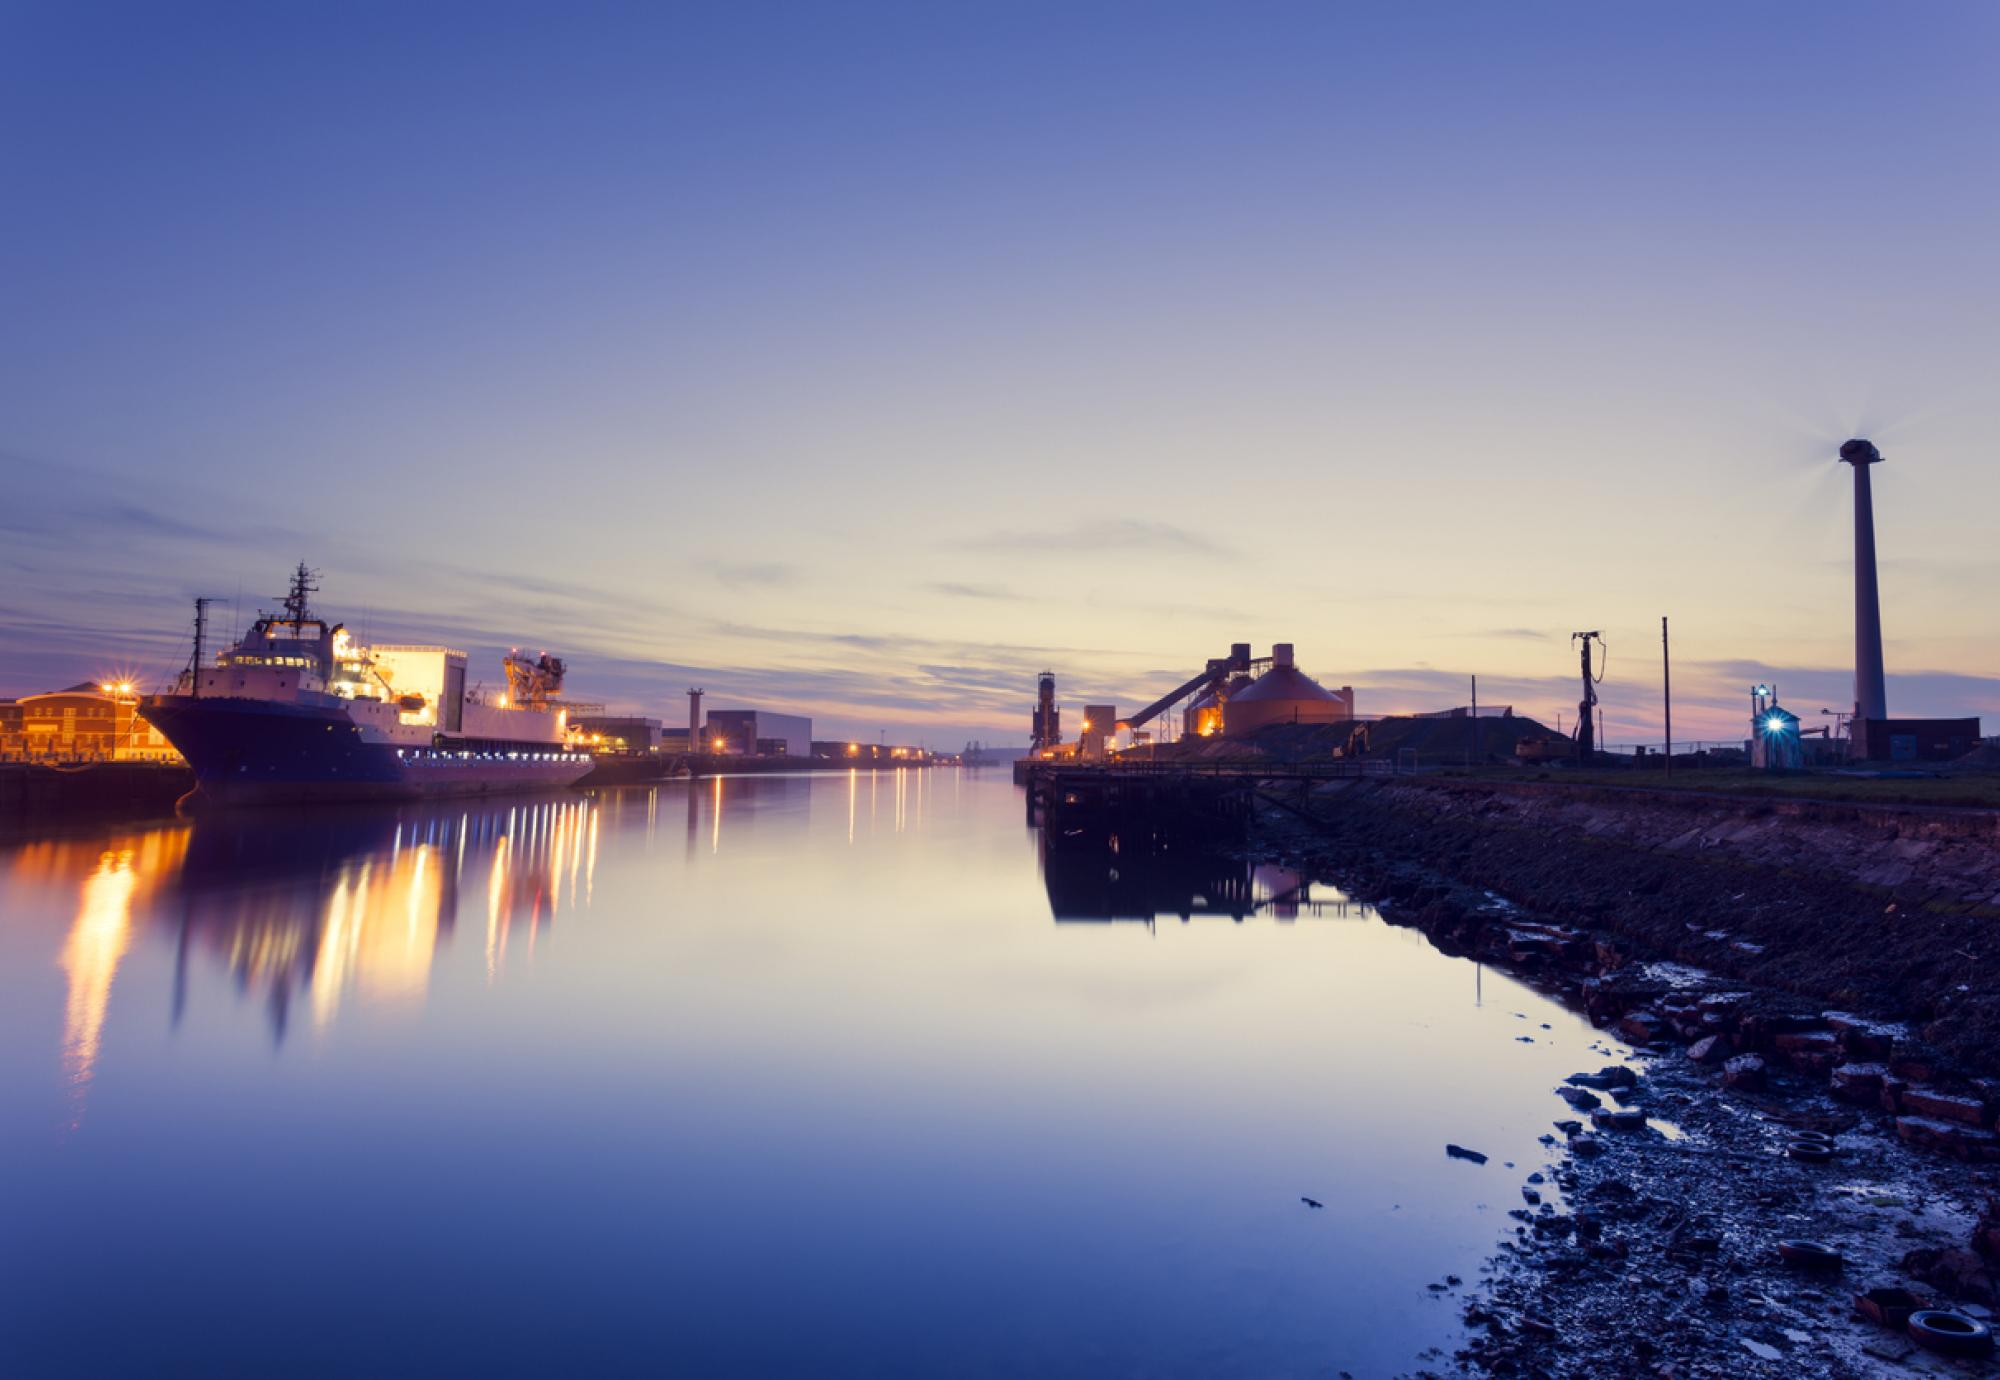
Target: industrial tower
1871 693
1047 723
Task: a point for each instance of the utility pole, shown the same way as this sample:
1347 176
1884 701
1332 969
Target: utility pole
1667 692
1472 738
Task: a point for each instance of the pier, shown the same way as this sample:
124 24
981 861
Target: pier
1155 806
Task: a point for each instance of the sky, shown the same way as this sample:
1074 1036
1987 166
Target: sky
865 360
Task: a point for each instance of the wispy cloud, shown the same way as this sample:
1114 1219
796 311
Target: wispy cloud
1112 536
737 574
1510 634
958 590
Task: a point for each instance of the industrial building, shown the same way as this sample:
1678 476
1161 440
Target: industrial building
865 754
1235 696
1203 716
1046 722
726 733
618 733
1284 695
1916 740
757 733
1100 731
1775 742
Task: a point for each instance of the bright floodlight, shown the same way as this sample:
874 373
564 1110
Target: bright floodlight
1774 724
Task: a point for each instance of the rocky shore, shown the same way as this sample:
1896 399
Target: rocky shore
1890 910
1759 1112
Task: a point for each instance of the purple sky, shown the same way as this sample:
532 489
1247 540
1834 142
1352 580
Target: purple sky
865 360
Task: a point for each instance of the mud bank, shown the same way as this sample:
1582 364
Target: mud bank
1888 909
1648 1244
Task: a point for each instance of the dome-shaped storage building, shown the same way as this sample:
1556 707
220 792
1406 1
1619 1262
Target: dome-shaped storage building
1284 695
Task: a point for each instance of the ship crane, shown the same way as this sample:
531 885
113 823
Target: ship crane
531 683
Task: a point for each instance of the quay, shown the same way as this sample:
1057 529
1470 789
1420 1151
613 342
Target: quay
39 787
650 769
1162 806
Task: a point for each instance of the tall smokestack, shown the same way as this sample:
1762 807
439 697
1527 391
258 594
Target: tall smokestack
1871 693
694 720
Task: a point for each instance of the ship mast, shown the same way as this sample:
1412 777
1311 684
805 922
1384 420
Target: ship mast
200 631
304 585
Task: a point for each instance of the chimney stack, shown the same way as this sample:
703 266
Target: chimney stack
1871 694
694 720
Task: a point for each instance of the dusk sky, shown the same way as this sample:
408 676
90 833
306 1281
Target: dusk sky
864 360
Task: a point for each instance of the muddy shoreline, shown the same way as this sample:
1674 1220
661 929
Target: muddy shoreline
1653 1251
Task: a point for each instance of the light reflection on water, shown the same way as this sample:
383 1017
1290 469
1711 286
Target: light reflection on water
855 1078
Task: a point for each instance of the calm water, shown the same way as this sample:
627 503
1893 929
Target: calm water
758 1076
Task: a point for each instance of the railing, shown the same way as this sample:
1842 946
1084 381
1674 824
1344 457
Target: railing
1681 749
1292 771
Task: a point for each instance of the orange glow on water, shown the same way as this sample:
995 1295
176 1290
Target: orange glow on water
496 907
380 931
97 941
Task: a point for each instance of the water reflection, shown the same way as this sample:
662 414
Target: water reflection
1108 884
320 908
742 1076
97 941
323 907
380 928
115 877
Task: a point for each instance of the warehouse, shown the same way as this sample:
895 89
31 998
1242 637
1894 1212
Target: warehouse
757 733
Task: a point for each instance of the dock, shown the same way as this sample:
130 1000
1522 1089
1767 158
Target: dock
1161 806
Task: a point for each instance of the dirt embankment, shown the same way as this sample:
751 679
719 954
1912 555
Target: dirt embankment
1890 910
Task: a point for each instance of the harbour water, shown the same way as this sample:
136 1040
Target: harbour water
824 1075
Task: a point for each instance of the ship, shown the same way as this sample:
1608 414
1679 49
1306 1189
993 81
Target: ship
298 710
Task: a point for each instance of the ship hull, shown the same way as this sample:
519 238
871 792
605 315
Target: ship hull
249 751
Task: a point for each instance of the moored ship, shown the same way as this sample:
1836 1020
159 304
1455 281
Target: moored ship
298 710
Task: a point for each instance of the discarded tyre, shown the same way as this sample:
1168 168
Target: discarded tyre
1809 1255
1822 1137
1810 1151
1949 1333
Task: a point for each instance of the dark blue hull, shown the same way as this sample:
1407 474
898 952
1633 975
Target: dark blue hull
246 751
